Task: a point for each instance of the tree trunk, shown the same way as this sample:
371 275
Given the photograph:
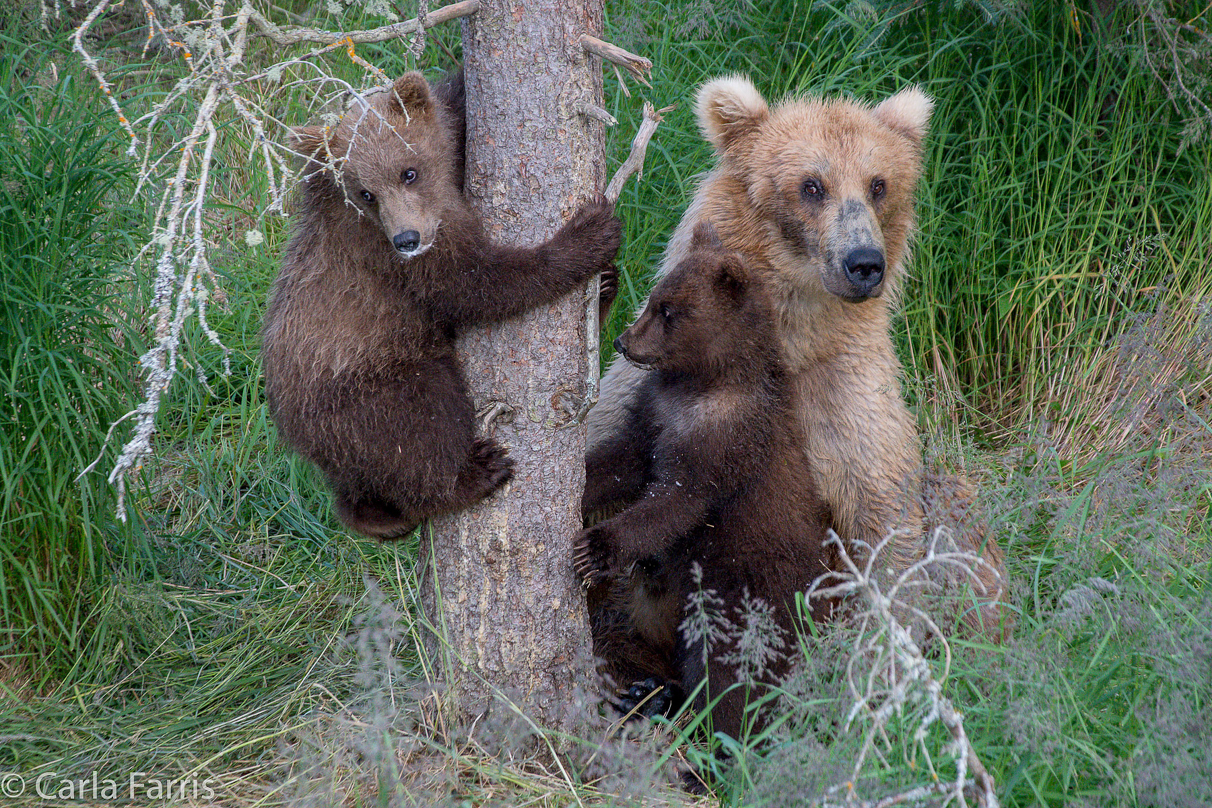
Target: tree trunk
506 599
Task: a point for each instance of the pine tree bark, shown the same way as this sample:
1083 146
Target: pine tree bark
501 585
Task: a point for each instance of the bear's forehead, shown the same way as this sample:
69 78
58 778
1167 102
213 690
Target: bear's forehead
834 127
840 139
685 281
376 148
689 283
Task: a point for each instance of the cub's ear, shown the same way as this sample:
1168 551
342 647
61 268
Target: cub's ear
308 140
732 280
908 112
411 95
728 109
705 237
317 143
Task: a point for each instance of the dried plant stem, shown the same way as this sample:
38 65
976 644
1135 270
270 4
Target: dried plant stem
293 36
887 672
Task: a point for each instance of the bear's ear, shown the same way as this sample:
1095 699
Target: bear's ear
731 280
411 95
315 142
908 112
728 109
705 237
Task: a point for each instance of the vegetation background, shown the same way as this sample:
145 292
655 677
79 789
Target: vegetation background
1057 335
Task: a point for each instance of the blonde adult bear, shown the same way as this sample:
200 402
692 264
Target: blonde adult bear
818 195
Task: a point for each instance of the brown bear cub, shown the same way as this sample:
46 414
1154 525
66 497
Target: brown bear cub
721 498
386 264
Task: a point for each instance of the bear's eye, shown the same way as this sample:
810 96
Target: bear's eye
666 312
812 189
409 176
367 195
878 188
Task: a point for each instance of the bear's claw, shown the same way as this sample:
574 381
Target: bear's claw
591 555
493 460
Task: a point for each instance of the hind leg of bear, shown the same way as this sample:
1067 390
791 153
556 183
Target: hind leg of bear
423 464
379 520
488 467
485 469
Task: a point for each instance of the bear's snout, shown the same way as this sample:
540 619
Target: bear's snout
865 270
624 344
407 241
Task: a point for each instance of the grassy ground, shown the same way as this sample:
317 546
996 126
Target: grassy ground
229 638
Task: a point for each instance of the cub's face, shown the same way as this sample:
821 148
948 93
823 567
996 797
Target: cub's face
394 160
831 182
701 317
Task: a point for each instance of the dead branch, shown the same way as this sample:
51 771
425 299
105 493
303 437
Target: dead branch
887 673
632 165
293 36
597 113
639 67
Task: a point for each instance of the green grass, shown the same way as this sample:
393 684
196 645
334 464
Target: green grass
1057 337
66 234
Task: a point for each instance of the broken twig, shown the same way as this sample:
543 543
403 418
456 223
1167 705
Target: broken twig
293 36
639 67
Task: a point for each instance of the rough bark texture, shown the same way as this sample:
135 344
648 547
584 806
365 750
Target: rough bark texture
510 607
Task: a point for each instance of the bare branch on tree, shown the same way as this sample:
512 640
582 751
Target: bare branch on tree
639 67
632 165
293 36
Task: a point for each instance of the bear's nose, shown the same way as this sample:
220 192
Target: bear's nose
619 347
407 241
864 269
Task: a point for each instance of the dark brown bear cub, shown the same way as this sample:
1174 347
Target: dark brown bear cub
385 265
713 467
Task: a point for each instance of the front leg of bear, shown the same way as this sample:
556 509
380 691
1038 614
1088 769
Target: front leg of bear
588 242
499 281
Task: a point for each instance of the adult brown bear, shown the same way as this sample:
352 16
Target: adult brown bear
818 196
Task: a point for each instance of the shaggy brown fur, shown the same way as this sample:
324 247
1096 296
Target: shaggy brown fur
818 196
386 263
713 466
